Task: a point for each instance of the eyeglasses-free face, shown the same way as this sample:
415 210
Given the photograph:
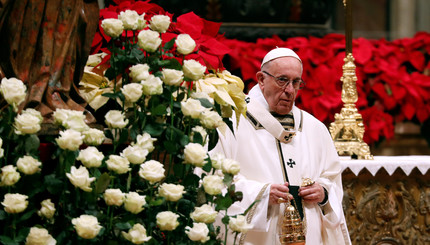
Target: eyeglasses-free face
283 82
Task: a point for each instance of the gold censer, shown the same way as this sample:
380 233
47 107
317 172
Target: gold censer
290 226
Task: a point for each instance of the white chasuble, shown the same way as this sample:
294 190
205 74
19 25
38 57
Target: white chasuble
310 154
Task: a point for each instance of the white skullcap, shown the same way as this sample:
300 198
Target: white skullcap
278 53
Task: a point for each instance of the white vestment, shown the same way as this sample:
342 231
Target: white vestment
315 157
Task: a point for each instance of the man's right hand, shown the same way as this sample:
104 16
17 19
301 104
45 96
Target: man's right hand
278 191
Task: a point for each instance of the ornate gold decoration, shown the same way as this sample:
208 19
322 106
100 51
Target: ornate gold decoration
291 229
347 130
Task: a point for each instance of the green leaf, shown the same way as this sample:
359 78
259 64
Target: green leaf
225 219
123 226
110 73
223 203
213 139
123 136
208 166
228 179
170 146
32 143
53 184
111 95
8 241
26 215
157 201
159 110
154 129
2 215
169 44
205 102
184 140
102 183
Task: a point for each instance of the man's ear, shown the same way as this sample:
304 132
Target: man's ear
260 79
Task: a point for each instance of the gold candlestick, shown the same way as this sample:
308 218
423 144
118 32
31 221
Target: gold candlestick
348 129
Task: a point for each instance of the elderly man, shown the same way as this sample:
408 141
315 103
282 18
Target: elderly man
283 151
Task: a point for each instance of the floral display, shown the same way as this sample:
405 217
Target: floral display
393 77
143 174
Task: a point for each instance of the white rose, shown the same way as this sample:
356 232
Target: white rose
95 59
171 192
135 154
93 136
202 95
230 166
28 165
118 164
26 124
115 119
195 154
148 40
185 44
14 203
167 220
139 72
204 213
210 119
200 130
39 236
87 226
152 171
193 69
136 235
132 92
76 121
9 176
192 107
160 23
112 27
114 197
60 115
213 184
217 159
90 157
153 85
172 77
130 19
70 140
13 91
134 202
198 233
145 141
80 177
1 149
141 22
47 210
239 224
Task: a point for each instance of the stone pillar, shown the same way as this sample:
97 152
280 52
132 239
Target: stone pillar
403 18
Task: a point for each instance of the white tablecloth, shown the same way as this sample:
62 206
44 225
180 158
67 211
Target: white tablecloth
389 163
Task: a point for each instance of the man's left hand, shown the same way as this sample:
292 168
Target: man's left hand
312 194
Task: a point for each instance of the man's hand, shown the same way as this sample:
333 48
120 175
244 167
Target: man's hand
279 191
312 194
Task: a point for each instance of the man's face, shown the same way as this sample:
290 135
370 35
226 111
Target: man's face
280 100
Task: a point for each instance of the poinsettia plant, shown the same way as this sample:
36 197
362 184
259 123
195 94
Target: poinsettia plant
144 173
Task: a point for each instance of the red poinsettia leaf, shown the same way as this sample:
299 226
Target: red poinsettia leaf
212 46
210 28
191 24
408 110
148 8
423 113
363 52
211 61
417 59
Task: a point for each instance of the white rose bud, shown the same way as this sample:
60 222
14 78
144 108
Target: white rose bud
61 115
70 140
90 157
87 226
217 159
167 220
141 22
132 92
153 85
76 121
28 122
114 197
192 107
193 69
115 119
14 203
39 236
148 40
136 235
134 202
171 192
13 91
185 44
145 141
135 154
210 119
172 77
93 136
200 130
160 23
198 233
204 213
112 27
9 176
118 164
230 166
130 19
139 72
1 149
152 171
213 184
195 154
28 165
47 210
239 224
80 177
